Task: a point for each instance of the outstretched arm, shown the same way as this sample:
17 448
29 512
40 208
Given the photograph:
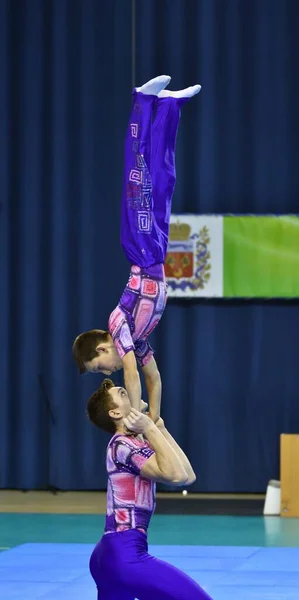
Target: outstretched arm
132 379
154 388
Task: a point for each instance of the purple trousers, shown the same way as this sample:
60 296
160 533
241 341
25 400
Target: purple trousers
149 178
123 570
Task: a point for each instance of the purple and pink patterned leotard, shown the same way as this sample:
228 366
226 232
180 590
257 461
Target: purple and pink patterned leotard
138 312
120 564
130 497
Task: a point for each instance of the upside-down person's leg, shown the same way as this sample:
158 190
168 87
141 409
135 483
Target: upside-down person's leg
164 134
138 236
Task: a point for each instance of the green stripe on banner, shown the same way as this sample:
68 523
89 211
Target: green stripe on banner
261 257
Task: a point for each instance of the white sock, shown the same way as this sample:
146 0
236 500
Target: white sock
187 93
154 86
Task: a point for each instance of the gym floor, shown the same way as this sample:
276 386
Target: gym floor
46 541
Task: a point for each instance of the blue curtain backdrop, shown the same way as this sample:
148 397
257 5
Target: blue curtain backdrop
230 370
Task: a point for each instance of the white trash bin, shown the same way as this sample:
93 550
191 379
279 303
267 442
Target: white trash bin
273 499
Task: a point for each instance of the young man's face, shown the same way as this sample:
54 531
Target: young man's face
107 361
122 403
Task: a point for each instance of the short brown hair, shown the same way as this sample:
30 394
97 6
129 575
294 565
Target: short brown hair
98 407
84 346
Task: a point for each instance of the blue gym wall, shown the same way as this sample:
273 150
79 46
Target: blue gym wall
229 369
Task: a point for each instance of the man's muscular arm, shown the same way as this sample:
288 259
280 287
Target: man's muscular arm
154 389
178 450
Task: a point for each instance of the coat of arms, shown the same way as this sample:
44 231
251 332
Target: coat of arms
187 262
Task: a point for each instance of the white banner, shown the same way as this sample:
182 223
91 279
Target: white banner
194 261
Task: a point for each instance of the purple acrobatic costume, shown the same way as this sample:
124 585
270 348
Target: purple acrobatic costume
146 207
120 563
